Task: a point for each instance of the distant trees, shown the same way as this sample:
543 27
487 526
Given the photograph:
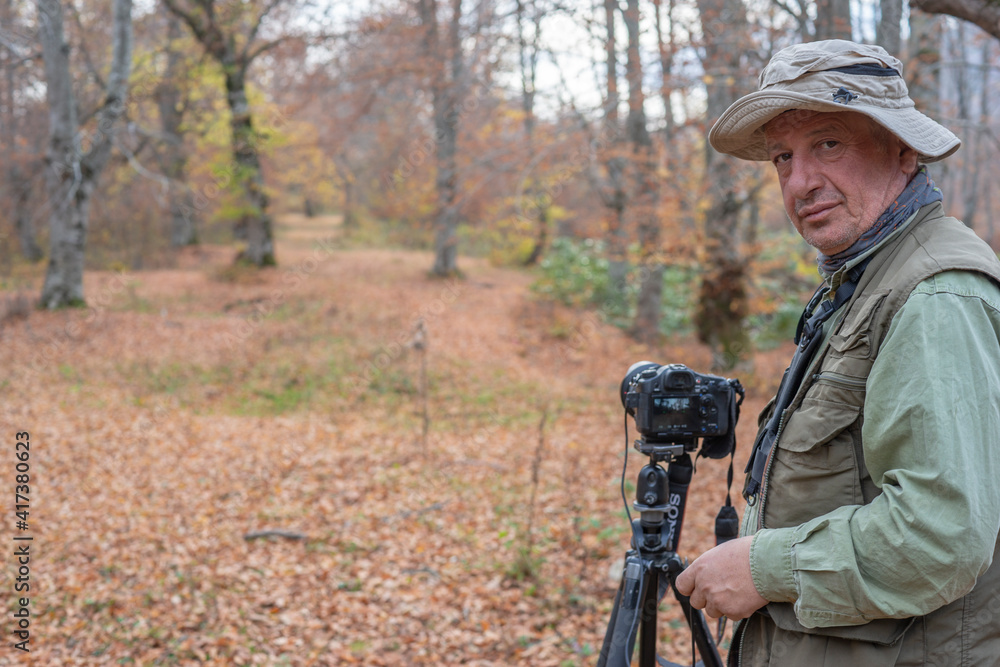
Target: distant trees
449 78
18 71
173 154
833 19
528 14
888 29
491 127
613 189
443 49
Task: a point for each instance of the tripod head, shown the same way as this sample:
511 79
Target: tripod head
661 495
658 450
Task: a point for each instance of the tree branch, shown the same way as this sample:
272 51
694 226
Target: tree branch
202 24
87 61
983 13
287 534
113 108
255 28
248 56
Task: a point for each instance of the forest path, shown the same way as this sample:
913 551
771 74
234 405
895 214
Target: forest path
295 234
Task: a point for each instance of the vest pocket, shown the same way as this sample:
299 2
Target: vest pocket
840 381
817 423
814 470
854 336
882 632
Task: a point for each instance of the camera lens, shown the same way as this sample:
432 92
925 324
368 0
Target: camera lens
633 373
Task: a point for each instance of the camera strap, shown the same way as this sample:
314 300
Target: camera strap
808 336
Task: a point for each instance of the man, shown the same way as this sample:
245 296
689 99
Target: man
873 490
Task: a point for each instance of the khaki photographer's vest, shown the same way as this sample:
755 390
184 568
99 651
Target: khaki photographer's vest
823 468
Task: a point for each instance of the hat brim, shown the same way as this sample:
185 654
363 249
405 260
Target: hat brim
740 130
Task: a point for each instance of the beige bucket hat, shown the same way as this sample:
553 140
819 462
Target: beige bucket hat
832 75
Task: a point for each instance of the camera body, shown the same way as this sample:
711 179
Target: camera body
673 404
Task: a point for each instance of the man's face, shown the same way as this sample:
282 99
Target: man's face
838 172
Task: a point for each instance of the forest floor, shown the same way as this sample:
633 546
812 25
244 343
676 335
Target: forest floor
444 502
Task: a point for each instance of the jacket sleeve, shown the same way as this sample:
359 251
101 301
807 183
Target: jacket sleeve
931 439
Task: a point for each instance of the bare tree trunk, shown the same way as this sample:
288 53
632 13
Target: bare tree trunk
528 52
614 198
347 178
643 200
991 225
72 175
803 23
722 300
666 49
976 143
673 157
446 80
951 102
254 220
833 19
887 32
64 177
923 70
446 182
183 216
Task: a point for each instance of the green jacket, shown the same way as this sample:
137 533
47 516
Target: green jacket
877 523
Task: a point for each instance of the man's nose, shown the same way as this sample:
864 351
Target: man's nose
804 177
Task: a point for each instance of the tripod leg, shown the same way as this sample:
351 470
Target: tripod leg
609 636
647 634
701 635
619 640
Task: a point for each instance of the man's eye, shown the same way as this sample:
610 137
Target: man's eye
831 143
781 157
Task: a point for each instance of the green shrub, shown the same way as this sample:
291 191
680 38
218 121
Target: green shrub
576 273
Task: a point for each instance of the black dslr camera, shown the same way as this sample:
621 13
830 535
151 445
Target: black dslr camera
673 405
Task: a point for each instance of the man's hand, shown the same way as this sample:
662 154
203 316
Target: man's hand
719 581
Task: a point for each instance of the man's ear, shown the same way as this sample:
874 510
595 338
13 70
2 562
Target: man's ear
907 160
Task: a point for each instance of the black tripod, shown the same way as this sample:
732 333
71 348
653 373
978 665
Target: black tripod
652 564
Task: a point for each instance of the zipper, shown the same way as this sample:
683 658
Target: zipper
739 649
843 381
767 469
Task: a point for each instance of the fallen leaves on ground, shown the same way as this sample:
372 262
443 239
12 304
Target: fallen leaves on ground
184 412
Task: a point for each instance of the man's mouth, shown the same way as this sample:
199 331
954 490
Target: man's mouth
814 212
